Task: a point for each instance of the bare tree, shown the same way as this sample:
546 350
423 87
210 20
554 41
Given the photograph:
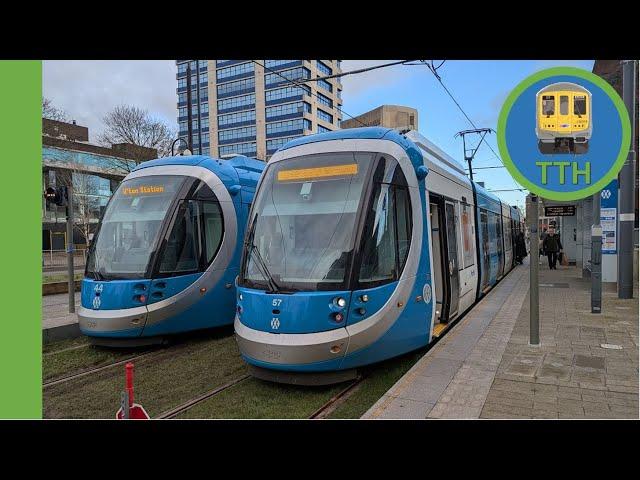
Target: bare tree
130 124
86 202
50 111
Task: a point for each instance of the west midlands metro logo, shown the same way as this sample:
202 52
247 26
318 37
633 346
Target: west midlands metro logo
275 323
96 303
606 194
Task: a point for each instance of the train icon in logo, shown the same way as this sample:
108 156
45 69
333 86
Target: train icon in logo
275 323
564 121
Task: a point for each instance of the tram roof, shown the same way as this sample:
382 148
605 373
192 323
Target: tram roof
240 169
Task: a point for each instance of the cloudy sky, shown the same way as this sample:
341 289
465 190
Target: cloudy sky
86 90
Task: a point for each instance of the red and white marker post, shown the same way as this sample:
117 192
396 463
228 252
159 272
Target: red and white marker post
128 409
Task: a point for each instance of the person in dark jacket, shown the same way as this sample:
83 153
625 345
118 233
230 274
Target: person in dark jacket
543 235
552 246
521 248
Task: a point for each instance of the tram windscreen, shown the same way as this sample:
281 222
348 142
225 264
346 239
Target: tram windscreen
130 227
303 222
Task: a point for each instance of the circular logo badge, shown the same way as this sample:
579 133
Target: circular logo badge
564 133
426 293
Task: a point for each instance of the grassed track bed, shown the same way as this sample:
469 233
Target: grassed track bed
176 374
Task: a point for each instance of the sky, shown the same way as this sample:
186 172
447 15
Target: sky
87 90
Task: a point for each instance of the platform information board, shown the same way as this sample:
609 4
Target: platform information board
608 217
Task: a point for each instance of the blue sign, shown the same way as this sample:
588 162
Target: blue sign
608 217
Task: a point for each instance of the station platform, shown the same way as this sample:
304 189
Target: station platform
57 322
586 365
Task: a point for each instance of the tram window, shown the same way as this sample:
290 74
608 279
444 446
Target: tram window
564 105
379 255
580 105
183 249
548 105
403 212
467 236
213 229
507 234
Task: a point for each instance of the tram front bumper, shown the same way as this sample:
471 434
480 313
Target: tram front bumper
281 350
127 322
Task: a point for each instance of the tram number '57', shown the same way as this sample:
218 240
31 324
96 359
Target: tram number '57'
276 302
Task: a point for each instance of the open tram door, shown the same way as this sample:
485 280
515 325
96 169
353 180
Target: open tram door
445 261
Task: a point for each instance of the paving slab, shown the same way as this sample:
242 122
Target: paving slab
57 322
585 367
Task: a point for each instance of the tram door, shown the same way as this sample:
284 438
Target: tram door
452 251
484 225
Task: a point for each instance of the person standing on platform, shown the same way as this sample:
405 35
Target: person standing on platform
521 248
552 246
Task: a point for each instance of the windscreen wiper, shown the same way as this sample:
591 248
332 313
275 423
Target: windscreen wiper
264 269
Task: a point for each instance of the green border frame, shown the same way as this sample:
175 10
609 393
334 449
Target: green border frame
20 242
624 147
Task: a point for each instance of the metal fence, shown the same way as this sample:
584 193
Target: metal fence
57 259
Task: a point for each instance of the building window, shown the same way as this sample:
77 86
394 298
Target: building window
288 126
236 133
182 83
276 143
234 70
277 63
182 97
322 115
204 94
300 73
241 86
182 112
182 68
287 109
204 107
205 137
206 151
325 85
204 123
237 102
323 68
326 101
322 129
204 78
233 118
286 92
239 148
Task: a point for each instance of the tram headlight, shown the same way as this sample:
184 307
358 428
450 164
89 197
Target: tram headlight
341 302
338 317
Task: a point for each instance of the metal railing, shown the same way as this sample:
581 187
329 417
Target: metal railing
57 259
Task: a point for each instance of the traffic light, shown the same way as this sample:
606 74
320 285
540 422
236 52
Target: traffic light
57 196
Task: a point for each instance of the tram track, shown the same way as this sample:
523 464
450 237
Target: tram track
334 402
174 412
91 371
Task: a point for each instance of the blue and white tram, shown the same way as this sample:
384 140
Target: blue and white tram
167 251
362 244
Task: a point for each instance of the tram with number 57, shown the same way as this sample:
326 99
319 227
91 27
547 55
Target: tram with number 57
363 244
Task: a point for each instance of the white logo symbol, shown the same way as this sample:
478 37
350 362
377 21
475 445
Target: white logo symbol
96 303
98 288
606 194
275 323
426 293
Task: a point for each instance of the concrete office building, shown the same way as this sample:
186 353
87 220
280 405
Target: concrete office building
390 116
251 107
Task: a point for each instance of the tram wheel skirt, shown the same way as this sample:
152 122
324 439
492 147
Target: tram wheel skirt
303 378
